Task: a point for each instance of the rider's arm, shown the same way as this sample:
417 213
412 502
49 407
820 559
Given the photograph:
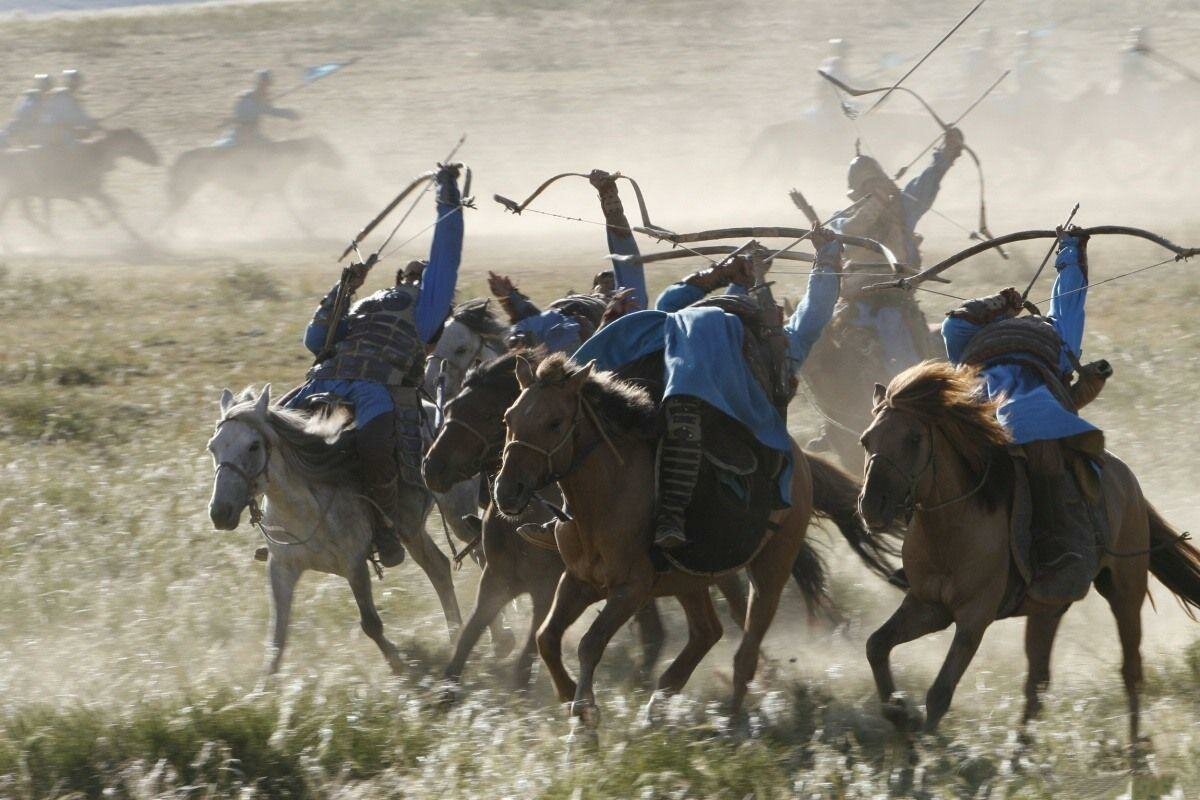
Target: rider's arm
518 307
816 307
557 331
961 324
957 333
695 286
921 191
862 221
445 254
628 275
1070 292
677 296
283 113
318 327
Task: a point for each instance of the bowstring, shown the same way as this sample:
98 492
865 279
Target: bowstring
416 235
1109 280
622 229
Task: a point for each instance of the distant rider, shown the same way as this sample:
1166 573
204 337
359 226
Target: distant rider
26 128
250 108
63 115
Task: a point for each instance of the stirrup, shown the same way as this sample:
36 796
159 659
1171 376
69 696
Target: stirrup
669 538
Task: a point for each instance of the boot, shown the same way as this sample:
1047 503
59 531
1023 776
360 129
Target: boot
678 470
376 443
1065 547
540 534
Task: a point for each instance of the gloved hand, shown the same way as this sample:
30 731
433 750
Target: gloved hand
604 283
359 272
952 144
601 180
829 248
738 270
982 310
1072 242
622 303
500 286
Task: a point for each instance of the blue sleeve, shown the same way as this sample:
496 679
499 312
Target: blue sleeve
314 334
678 296
1069 295
957 333
816 307
445 254
520 307
558 332
921 191
629 275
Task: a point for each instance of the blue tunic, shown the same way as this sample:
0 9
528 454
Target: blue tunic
371 399
553 329
1028 408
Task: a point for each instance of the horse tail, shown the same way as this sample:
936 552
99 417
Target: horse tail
835 497
811 576
1174 561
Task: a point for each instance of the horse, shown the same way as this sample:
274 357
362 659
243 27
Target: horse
468 444
471 334
936 451
252 170
316 515
74 172
596 436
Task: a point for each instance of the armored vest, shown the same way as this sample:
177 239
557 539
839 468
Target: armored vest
381 343
1031 342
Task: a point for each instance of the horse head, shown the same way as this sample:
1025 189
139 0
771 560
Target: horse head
542 423
129 143
241 454
470 335
897 444
472 431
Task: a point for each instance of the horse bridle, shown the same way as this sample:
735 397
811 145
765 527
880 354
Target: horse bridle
911 504
251 480
486 445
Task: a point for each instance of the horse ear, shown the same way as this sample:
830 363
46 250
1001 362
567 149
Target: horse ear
880 393
576 381
264 402
226 400
525 373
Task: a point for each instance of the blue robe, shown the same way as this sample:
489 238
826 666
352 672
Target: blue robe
1028 409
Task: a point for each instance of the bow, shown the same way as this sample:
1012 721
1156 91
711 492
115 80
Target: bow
1181 253
517 208
982 231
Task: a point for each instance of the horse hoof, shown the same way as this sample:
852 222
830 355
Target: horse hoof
448 694
504 643
903 716
261 553
654 711
587 713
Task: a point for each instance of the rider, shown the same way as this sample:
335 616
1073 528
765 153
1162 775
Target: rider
249 110
377 362
25 129
1062 451
571 321
704 364
63 116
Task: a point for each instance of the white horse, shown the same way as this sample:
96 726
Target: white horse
471 335
316 516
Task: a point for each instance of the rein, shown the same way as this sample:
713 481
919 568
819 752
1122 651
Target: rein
568 437
911 504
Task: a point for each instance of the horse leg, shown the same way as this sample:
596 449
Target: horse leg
769 573
523 665
622 602
413 509
493 593
571 599
968 633
1124 589
704 631
282 580
731 588
912 620
1040 630
360 583
652 636
114 213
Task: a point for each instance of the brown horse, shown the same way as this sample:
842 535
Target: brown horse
937 452
470 442
604 462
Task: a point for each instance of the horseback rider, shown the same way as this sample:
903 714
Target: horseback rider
26 128
1025 365
377 363
705 365
248 111
63 116
571 321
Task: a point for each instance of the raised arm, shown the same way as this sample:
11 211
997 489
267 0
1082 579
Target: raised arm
816 307
919 194
694 287
629 275
318 326
961 324
515 304
445 254
1070 291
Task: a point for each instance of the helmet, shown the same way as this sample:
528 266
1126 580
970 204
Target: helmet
604 282
839 48
72 79
863 172
262 78
42 82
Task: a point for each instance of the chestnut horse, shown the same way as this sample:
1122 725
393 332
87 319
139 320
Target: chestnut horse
604 462
937 452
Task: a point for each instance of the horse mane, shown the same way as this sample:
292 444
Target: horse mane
478 316
625 407
318 446
500 372
947 397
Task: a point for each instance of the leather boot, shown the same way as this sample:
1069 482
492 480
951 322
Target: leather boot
1065 547
678 470
376 443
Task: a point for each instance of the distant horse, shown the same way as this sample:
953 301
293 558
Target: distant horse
316 515
251 171
937 452
596 436
74 172
471 335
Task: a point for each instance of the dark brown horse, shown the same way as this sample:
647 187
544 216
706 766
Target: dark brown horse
597 436
74 172
470 442
936 451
